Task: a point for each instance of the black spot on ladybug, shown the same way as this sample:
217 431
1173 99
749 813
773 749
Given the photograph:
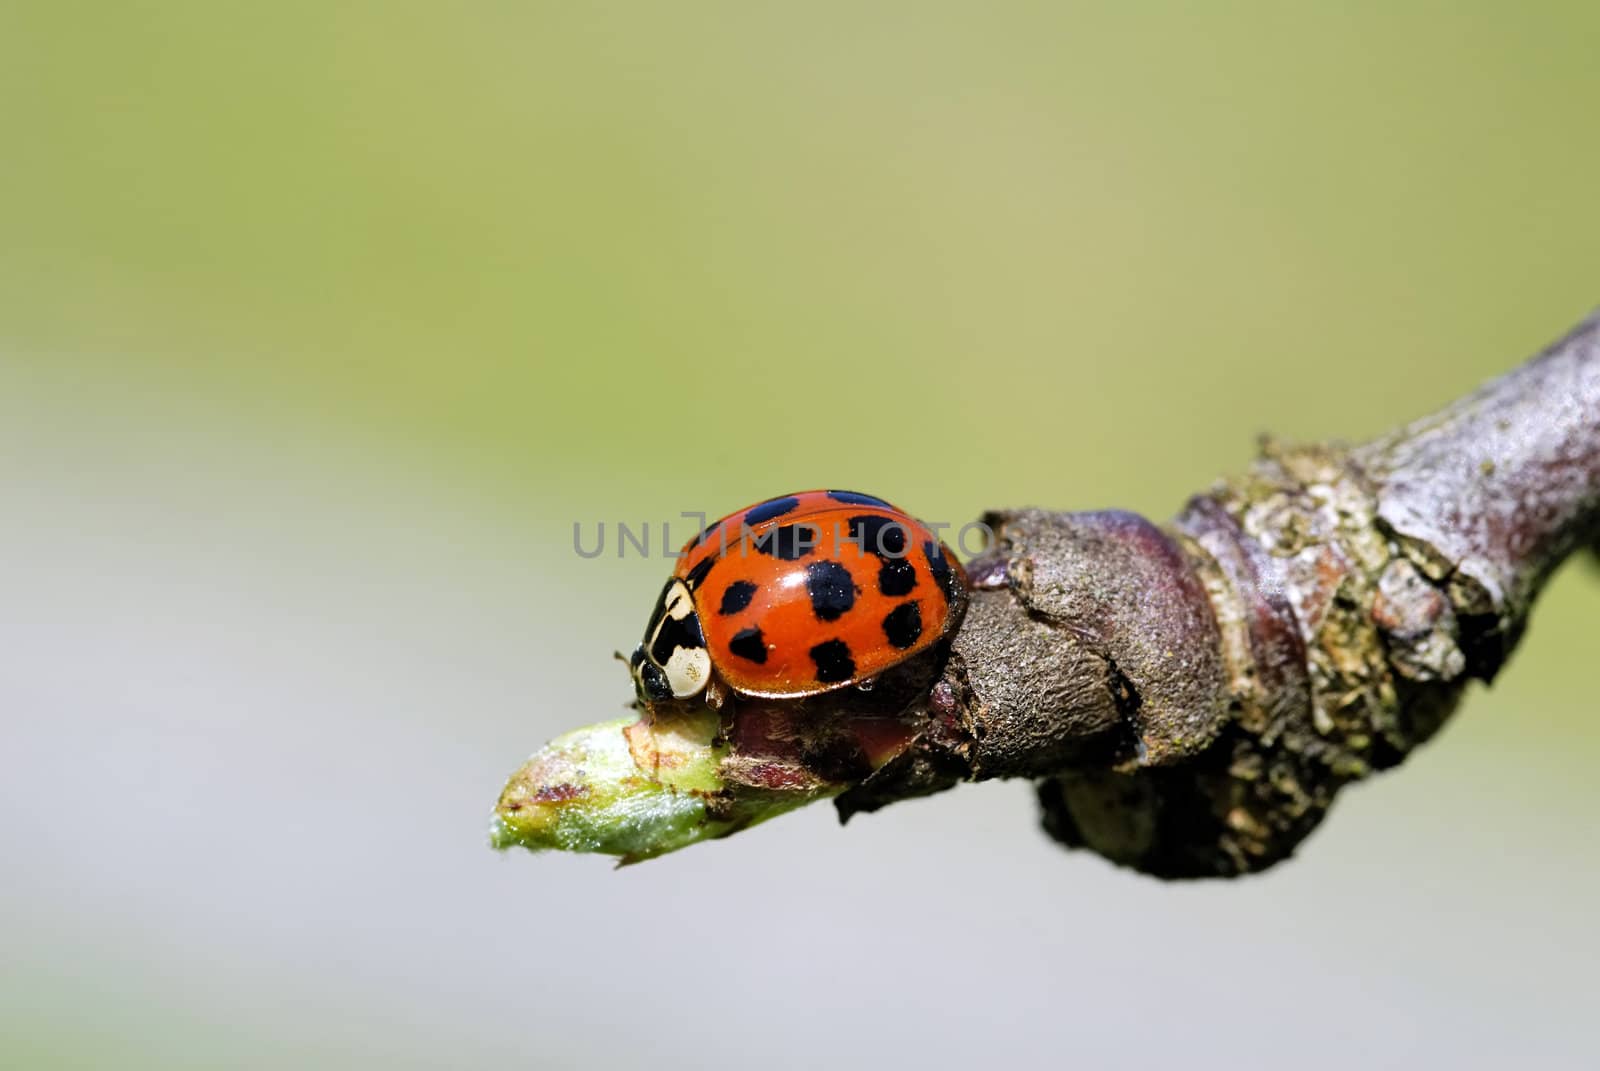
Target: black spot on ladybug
903 625
832 589
833 660
787 542
856 498
897 576
768 510
749 644
939 565
873 533
698 573
737 597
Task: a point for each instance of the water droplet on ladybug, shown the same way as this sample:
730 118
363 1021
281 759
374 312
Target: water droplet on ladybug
866 685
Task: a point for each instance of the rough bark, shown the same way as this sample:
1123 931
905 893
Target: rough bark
1191 697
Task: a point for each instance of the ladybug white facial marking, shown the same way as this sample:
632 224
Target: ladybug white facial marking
672 662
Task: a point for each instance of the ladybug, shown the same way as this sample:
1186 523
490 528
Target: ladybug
796 596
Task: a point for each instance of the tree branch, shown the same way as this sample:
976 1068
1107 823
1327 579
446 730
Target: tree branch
1191 697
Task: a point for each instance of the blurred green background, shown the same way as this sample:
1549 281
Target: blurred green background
321 325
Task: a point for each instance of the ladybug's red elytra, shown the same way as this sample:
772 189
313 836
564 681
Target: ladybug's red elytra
799 595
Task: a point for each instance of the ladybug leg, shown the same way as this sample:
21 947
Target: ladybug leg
716 693
722 699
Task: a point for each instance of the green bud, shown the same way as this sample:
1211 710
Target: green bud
637 789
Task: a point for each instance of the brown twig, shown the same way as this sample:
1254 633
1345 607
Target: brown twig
1192 697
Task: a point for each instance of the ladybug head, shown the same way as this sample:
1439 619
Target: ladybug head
672 661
